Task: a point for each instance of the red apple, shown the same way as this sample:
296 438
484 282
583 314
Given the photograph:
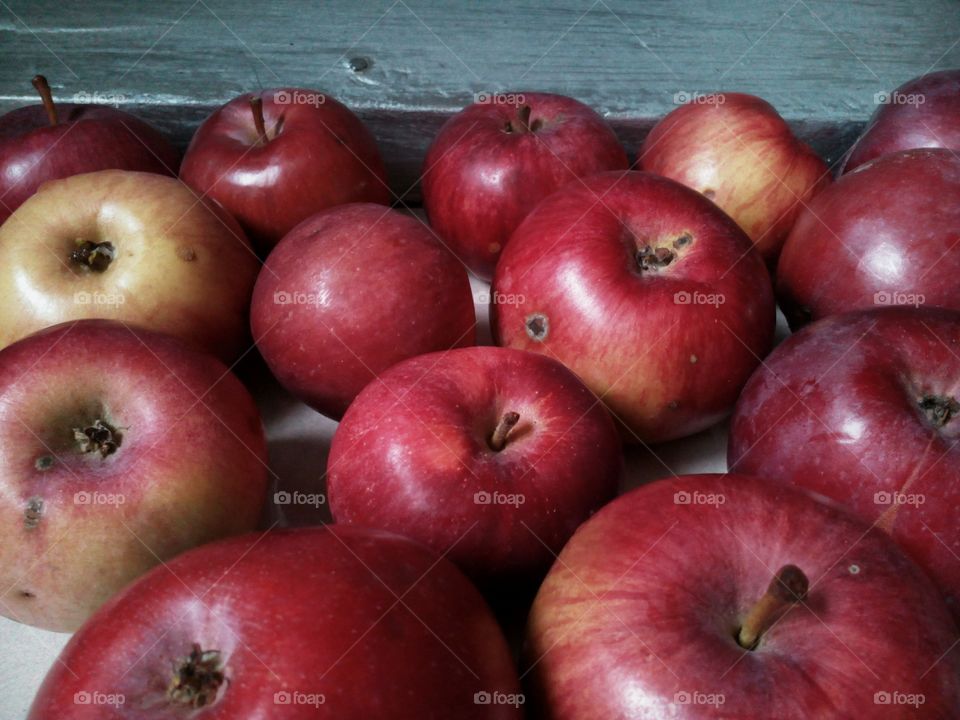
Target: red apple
46 142
493 456
492 162
326 622
886 234
861 408
739 152
276 157
647 291
922 113
135 247
119 448
732 597
352 291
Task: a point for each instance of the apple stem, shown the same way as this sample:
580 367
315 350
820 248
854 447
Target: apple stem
499 438
788 587
43 87
256 107
522 122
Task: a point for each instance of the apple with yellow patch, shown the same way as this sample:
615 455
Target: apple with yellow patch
737 150
135 247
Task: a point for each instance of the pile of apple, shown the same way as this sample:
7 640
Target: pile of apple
629 304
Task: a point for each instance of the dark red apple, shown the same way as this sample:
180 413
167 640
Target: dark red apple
885 234
921 113
863 408
490 455
738 151
276 157
48 141
135 247
352 291
647 291
734 597
119 448
326 622
492 162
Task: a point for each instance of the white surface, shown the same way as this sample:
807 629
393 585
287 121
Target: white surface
299 442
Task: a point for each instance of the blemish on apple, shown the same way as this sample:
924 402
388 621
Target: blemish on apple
186 254
44 462
537 326
33 513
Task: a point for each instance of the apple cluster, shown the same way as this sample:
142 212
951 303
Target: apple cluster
633 301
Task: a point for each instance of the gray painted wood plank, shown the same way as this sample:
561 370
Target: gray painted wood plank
820 62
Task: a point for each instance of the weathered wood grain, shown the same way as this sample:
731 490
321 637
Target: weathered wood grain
820 62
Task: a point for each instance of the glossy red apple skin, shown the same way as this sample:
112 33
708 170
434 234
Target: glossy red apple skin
738 151
658 347
835 409
368 620
413 455
181 264
87 138
322 156
921 113
888 233
352 291
189 466
480 181
638 617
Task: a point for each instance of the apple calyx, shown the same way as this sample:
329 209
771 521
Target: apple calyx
93 255
788 587
939 410
656 257
99 437
650 258
521 123
256 107
498 440
46 96
197 678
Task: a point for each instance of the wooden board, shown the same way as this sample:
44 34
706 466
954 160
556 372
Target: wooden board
820 62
